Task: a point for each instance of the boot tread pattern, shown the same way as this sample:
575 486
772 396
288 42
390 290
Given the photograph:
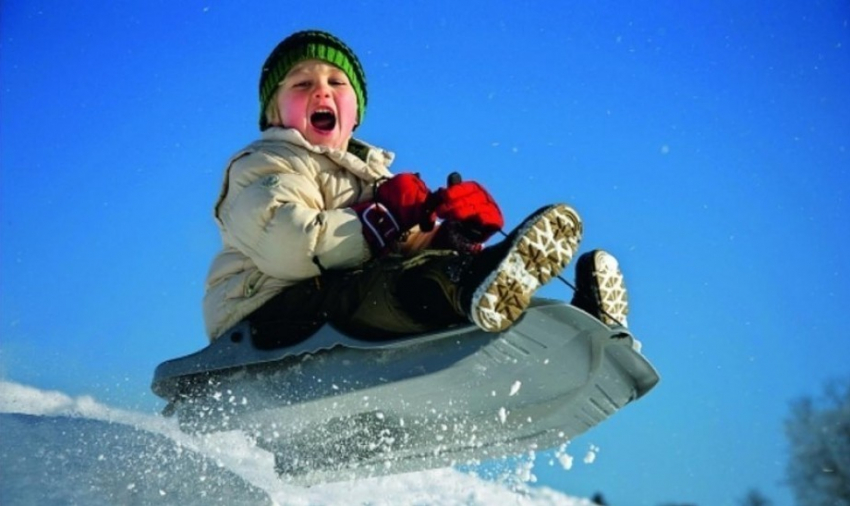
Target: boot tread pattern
541 250
613 296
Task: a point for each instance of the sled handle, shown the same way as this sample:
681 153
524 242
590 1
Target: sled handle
433 200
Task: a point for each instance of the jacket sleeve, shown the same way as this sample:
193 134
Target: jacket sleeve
277 217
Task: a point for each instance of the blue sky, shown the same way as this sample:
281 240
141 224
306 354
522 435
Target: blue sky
705 143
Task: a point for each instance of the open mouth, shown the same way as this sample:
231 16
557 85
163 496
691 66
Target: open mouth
323 119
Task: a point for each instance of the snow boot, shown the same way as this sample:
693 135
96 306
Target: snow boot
601 289
501 280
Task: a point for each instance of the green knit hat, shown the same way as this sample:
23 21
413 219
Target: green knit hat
310 45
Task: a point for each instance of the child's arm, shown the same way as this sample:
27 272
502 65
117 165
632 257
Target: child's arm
276 216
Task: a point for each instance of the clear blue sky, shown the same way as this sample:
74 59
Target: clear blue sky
706 143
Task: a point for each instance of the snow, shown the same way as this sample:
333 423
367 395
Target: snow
515 388
221 466
590 456
564 458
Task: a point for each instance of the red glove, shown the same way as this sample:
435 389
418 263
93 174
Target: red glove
469 204
398 205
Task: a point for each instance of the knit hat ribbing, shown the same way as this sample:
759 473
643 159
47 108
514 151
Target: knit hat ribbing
310 45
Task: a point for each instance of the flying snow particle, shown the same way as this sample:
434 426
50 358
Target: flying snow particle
564 458
591 454
515 388
503 415
525 472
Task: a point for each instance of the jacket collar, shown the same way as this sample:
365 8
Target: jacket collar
366 161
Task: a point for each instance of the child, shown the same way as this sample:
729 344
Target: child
317 229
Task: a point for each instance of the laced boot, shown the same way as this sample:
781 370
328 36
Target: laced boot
500 281
601 289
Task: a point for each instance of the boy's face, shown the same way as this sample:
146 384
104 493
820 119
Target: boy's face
317 99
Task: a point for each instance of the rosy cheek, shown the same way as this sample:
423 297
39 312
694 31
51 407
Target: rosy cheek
292 109
348 108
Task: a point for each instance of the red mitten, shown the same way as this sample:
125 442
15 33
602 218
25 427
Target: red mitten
469 204
398 205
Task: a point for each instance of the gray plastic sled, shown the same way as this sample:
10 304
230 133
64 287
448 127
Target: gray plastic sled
333 408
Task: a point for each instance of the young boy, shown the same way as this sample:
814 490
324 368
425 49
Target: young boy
316 229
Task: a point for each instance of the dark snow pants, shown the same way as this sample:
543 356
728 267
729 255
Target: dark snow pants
389 297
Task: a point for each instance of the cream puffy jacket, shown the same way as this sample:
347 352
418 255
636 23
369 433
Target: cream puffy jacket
284 208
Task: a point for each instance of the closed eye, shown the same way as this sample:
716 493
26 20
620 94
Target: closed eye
338 79
301 84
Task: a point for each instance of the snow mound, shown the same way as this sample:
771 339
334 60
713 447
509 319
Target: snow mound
124 456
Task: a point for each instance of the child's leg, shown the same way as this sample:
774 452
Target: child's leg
388 298
289 317
396 296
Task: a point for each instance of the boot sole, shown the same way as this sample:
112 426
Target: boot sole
612 293
541 249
